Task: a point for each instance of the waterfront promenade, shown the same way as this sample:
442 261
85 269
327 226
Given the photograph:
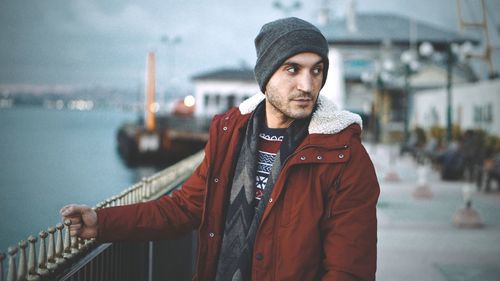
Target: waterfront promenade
416 238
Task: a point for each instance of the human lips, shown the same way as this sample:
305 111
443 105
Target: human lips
302 100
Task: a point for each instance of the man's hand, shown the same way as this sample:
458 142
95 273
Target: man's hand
83 220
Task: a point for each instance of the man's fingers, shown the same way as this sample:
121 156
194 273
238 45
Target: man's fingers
73 210
75 226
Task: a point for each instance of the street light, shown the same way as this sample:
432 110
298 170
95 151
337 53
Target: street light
409 58
287 9
171 42
452 54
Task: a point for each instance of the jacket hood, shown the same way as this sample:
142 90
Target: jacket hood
326 119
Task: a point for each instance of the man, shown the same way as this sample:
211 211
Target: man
286 190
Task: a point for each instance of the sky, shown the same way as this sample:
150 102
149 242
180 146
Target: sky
105 43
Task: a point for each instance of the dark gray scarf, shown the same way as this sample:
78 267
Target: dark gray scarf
242 217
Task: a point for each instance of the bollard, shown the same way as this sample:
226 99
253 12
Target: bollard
12 274
467 216
2 257
22 272
67 241
51 256
422 191
42 255
32 275
392 175
59 245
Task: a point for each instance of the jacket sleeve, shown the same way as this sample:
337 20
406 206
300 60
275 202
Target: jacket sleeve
167 217
350 229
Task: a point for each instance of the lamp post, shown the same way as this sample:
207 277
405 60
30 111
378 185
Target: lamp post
287 9
410 67
450 61
453 53
171 42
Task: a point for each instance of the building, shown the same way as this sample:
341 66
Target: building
218 90
368 49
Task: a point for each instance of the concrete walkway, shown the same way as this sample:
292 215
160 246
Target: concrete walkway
416 238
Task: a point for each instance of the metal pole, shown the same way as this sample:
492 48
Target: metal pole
406 104
449 107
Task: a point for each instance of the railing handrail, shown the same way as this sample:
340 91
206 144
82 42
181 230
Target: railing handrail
69 253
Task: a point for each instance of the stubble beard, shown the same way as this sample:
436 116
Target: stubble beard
284 106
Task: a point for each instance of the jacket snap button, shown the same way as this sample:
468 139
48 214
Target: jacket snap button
216 180
302 158
225 128
319 157
259 256
341 156
211 234
270 200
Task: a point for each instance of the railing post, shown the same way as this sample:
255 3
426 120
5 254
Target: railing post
67 241
12 274
51 259
74 245
32 275
22 272
42 255
59 245
145 189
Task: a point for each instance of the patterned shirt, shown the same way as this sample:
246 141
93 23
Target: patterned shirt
268 147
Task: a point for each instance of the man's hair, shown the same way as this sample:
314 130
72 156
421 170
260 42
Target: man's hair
281 39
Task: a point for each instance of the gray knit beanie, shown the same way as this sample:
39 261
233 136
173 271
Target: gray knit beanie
278 40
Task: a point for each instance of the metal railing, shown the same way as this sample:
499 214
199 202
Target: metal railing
64 257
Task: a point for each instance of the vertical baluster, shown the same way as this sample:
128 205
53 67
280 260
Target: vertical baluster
127 196
2 257
98 206
22 272
42 255
134 195
150 189
59 245
119 200
51 259
75 246
81 242
142 192
144 188
32 275
115 200
12 274
67 241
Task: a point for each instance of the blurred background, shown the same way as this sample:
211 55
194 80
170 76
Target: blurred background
96 95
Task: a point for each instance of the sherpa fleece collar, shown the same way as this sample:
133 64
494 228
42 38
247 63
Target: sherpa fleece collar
326 119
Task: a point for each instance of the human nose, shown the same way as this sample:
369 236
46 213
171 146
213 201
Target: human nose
305 82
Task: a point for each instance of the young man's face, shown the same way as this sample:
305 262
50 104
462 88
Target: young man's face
293 89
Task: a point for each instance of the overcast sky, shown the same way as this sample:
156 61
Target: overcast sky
95 42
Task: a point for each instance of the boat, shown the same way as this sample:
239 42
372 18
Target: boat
161 140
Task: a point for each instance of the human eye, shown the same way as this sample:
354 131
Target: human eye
291 69
317 70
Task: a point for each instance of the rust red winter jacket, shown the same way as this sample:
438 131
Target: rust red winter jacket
320 222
